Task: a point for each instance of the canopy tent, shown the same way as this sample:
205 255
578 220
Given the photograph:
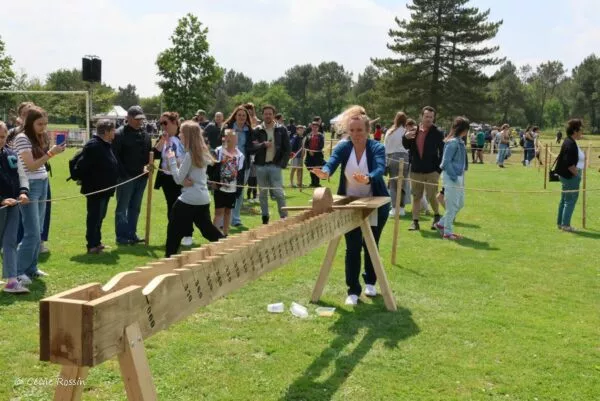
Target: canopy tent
336 119
115 113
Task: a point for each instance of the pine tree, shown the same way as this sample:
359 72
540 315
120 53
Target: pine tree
439 55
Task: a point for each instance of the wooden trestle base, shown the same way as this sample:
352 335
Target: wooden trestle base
87 325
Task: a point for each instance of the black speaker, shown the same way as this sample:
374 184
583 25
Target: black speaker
91 69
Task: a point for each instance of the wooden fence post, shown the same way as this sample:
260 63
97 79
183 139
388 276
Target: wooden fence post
149 198
546 167
399 186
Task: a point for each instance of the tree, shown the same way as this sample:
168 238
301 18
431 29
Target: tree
264 93
439 56
6 72
189 73
545 80
507 94
296 81
236 82
151 105
586 90
330 89
126 97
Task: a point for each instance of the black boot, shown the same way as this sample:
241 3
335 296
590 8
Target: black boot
265 219
414 226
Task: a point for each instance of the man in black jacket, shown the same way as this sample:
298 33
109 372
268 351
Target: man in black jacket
132 147
425 146
98 169
270 144
212 132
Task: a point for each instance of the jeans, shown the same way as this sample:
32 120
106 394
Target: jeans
354 245
129 203
32 216
269 176
454 194
393 161
9 224
236 216
46 225
566 206
181 215
502 153
96 212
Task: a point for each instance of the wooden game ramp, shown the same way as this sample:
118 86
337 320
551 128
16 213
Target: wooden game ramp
87 325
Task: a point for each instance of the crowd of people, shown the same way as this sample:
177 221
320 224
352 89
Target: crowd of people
201 159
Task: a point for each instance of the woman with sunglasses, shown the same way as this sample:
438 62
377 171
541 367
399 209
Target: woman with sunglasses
170 140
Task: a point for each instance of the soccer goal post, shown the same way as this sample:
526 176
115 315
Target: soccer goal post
86 136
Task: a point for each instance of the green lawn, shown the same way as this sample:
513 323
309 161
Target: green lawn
509 313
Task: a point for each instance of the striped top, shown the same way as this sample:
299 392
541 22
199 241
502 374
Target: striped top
23 144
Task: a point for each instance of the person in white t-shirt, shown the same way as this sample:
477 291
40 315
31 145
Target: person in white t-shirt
396 154
230 165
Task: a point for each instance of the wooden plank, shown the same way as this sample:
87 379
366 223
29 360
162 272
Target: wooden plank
70 383
386 291
134 366
84 292
325 269
65 331
142 275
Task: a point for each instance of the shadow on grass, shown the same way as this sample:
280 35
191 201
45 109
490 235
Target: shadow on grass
112 257
416 273
587 234
37 291
466 225
376 322
479 245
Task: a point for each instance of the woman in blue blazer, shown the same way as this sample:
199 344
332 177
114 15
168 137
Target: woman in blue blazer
363 165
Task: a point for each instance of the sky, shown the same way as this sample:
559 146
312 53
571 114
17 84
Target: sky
264 38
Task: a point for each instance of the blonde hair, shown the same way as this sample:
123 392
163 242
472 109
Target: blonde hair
195 145
353 113
3 126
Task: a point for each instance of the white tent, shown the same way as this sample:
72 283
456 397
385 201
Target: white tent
115 113
336 119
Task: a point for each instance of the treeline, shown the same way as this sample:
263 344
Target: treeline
441 64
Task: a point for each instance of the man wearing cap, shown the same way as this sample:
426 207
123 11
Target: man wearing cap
201 117
131 147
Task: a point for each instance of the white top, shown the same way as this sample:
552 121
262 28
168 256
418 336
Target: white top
23 144
197 194
237 163
581 161
353 187
393 141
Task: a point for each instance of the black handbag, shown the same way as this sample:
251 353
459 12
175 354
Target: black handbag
552 175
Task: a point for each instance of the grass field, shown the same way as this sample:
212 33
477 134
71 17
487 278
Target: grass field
509 313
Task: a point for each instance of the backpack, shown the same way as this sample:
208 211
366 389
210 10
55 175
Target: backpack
74 171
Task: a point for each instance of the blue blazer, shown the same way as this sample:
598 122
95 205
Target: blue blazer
375 162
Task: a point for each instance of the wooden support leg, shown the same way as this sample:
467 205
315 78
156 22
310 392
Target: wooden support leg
134 367
70 382
325 269
384 284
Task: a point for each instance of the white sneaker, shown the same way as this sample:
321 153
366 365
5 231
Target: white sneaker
402 212
370 290
392 212
17 288
352 300
187 241
40 273
24 279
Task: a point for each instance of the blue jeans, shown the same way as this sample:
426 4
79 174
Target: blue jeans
9 225
32 216
129 204
46 225
502 153
354 246
269 176
236 216
566 206
454 194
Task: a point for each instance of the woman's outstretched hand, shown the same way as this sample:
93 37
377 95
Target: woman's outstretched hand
320 173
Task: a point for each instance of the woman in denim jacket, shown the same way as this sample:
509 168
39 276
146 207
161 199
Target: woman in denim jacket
454 165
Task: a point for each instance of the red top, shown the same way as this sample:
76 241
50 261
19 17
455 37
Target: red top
314 142
377 135
422 134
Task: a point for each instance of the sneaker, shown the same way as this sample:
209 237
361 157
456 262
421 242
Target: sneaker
370 290
414 226
187 241
43 248
39 273
452 237
569 229
392 212
438 226
436 219
16 287
402 212
24 278
352 300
